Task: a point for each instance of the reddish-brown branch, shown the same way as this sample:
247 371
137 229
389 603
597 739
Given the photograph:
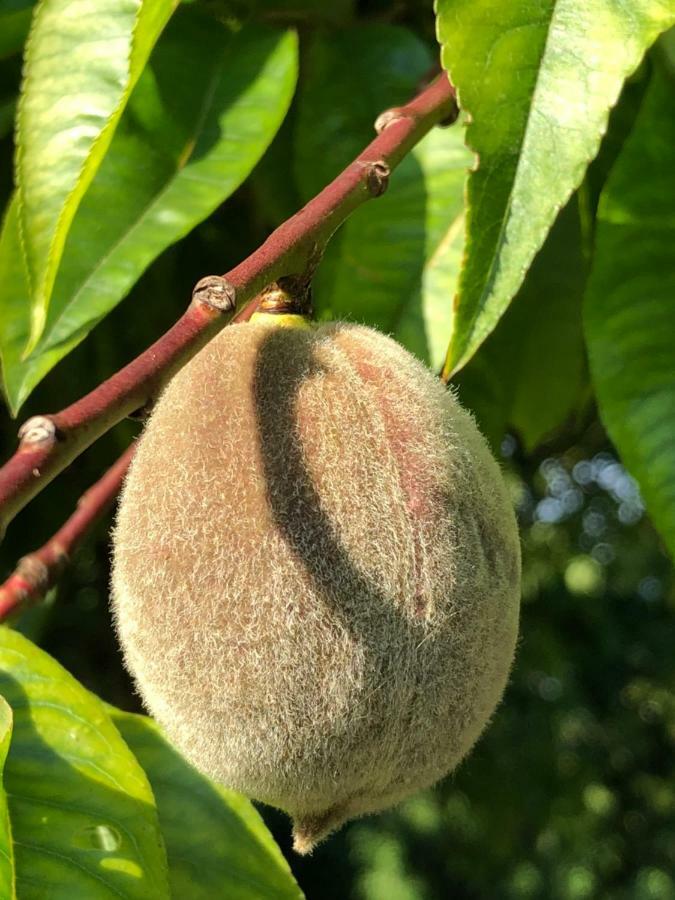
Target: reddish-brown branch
49 443
37 573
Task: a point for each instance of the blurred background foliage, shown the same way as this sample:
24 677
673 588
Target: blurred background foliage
571 793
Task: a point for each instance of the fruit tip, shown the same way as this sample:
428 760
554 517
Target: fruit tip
310 830
303 844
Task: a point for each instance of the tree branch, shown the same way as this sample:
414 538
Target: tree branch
50 443
37 573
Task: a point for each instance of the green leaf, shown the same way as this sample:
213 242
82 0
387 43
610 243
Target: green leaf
201 116
530 374
15 16
538 80
395 261
6 845
14 292
82 60
667 50
275 195
629 316
339 97
83 816
217 844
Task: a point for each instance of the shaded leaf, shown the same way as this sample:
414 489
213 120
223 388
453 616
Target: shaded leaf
301 10
621 122
629 314
6 846
82 813
530 373
538 80
201 116
395 261
276 195
339 102
15 16
7 110
68 114
667 50
217 844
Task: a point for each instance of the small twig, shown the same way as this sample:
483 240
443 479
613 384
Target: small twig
37 573
49 443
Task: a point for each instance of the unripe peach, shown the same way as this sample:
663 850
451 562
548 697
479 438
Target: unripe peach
316 571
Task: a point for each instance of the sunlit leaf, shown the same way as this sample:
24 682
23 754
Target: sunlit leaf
217 844
629 309
6 845
81 62
538 80
201 116
83 817
14 292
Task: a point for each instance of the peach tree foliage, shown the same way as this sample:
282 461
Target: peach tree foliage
526 252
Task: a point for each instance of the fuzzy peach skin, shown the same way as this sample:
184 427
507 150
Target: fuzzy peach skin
316 574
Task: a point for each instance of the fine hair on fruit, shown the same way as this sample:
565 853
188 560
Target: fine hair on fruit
316 574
